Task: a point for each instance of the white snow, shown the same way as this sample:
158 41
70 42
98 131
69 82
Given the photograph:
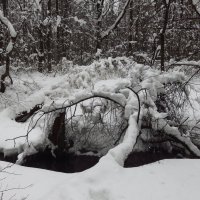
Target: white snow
166 180
80 21
112 85
8 24
11 29
38 6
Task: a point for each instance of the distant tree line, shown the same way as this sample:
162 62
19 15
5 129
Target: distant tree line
83 30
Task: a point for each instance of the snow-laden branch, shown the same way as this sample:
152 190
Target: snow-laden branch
8 50
162 125
117 21
38 6
121 151
7 23
195 5
12 32
116 98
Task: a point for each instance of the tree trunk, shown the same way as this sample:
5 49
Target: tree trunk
41 50
57 35
5 12
5 7
99 9
1 48
130 38
49 37
57 136
6 74
162 35
162 51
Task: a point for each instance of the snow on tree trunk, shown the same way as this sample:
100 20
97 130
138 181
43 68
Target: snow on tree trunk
11 29
8 50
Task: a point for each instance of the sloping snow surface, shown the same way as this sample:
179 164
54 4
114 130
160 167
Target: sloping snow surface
164 180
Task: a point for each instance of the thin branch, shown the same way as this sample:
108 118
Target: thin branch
57 109
117 21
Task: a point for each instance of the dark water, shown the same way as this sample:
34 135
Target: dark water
141 158
70 163
11 159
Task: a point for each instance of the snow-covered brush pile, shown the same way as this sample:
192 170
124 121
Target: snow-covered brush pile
112 102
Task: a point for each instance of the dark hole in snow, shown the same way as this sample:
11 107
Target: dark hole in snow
141 158
70 163
11 158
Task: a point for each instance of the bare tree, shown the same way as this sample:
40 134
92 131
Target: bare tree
101 35
162 33
49 37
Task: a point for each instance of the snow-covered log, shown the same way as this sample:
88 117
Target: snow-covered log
121 152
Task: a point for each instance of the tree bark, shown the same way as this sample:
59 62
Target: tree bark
99 9
130 37
41 50
57 136
5 7
57 35
1 48
49 37
162 34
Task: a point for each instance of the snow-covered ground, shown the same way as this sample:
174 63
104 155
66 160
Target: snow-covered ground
163 180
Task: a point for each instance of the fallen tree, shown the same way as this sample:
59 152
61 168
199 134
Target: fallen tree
117 117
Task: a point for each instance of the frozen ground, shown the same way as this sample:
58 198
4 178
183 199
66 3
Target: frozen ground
164 180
